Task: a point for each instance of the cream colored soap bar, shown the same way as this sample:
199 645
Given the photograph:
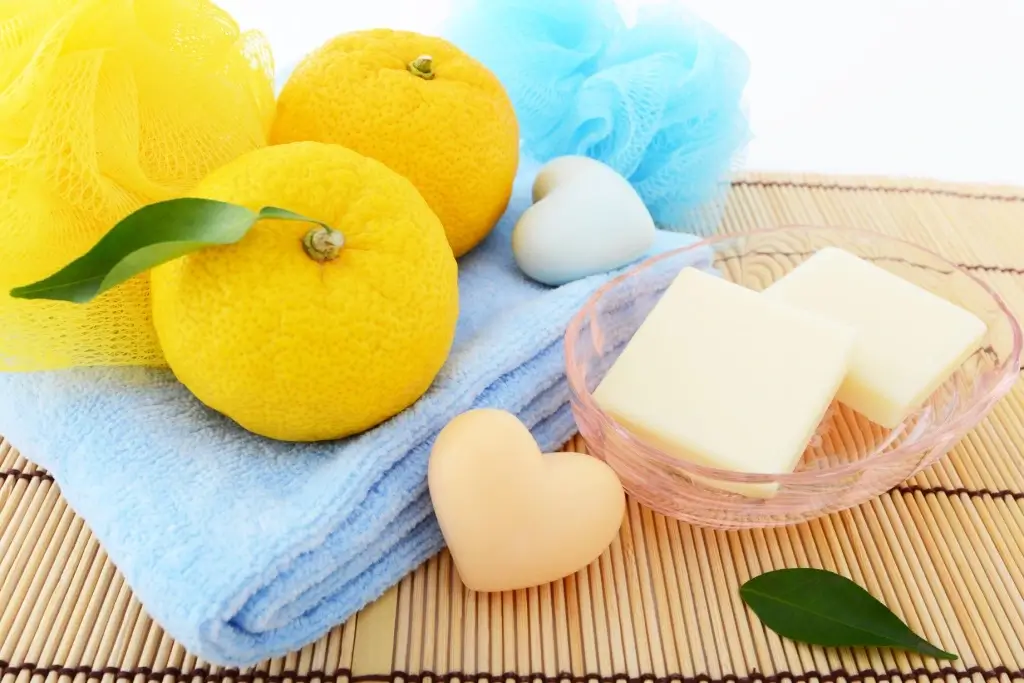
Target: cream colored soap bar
721 376
513 517
909 341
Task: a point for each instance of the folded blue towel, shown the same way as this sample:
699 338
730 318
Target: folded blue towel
244 548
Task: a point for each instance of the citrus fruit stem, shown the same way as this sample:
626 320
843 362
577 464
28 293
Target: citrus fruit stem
323 243
423 66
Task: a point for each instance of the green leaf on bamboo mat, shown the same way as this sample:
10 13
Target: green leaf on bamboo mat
819 607
154 234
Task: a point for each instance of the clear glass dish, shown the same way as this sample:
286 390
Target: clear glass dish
850 460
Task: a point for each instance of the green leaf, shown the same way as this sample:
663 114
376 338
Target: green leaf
286 215
155 234
818 607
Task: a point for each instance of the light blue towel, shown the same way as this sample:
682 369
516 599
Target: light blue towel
243 548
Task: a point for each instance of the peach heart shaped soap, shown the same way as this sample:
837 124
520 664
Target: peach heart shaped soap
586 219
512 516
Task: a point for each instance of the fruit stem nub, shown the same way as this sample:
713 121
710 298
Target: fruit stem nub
423 66
323 243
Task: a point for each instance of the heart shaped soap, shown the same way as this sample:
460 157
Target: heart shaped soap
512 516
585 219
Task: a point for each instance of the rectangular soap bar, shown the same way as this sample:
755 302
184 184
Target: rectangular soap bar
720 376
909 340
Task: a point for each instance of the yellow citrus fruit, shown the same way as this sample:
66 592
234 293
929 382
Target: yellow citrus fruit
421 106
294 347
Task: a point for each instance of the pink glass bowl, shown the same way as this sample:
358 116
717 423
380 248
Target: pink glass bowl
850 460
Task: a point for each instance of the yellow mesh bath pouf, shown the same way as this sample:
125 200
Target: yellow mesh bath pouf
107 105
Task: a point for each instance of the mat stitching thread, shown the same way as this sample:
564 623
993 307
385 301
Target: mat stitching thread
970 493
984 267
238 677
22 474
829 677
926 491
876 188
1005 270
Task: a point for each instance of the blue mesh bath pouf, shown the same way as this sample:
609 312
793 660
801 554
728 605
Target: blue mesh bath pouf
659 100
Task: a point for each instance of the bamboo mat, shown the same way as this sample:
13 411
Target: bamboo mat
945 550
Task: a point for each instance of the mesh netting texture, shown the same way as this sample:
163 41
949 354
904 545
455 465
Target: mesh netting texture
105 106
659 99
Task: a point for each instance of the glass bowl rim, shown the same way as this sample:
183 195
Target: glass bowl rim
972 414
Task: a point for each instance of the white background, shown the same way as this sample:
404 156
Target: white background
925 88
